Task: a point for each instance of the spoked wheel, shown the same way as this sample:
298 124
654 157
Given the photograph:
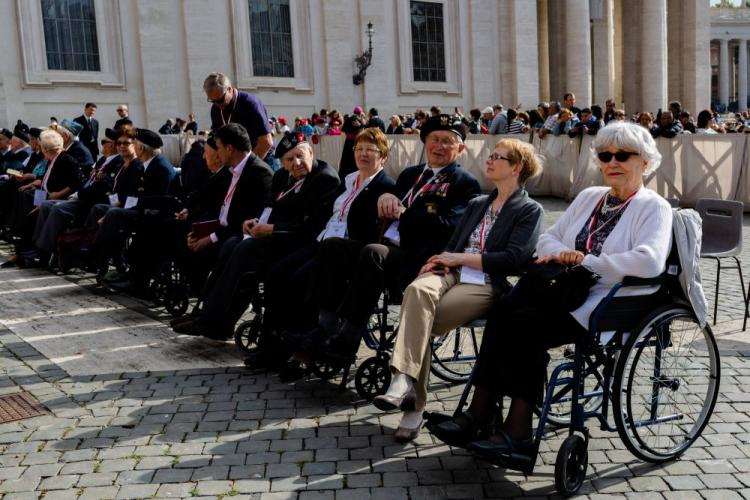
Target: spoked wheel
570 466
176 300
591 399
373 377
665 385
324 370
247 333
454 354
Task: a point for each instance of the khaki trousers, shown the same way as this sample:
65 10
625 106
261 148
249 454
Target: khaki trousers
433 305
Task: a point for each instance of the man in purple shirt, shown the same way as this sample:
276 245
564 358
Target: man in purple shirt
231 105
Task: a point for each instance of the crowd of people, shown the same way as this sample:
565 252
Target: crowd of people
325 243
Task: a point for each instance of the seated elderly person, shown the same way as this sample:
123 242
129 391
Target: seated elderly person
55 216
422 215
621 229
303 192
61 179
75 148
354 219
494 239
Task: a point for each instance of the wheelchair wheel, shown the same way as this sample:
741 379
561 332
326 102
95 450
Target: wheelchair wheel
454 354
246 334
324 370
176 300
666 383
373 377
570 466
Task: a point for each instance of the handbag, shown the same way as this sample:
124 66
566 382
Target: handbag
553 285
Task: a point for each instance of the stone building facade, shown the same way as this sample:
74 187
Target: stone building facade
730 33
154 54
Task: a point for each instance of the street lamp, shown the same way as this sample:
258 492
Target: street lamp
364 61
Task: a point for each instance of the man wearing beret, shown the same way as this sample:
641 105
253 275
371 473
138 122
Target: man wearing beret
157 174
421 216
20 150
89 136
302 192
5 136
70 131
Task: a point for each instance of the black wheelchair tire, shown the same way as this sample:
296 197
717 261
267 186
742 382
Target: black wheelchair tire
570 465
176 300
324 370
247 333
622 390
440 366
373 377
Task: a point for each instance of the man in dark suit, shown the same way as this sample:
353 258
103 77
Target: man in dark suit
89 136
303 194
70 131
375 121
428 203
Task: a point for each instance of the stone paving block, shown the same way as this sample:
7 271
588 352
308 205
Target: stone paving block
684 482
293 483
11 472
389 494
252 485
97 479
117 465
721 495
172 475
213 487
175 490
247 472
137 491
316 495
325 482
134 477
59 482
210 473
154 462
22 484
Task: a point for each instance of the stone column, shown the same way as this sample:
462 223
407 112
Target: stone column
526 51
542 14
695 55
742 87
654 54
578 48
604 54
724 72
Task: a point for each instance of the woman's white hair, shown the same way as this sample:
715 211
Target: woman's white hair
50 140
629 137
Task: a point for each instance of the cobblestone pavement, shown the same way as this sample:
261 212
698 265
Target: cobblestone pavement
225 432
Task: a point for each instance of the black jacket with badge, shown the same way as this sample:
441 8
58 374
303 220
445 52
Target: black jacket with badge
96 191
302 213
427 224
205 203
157 176
253 192
129 180
362 222
511 241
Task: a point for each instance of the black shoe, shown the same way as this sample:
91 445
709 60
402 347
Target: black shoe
292 371
509 453
454 434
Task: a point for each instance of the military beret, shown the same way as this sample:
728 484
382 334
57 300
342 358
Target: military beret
74 128
442 122
35 132
149 138
21 130
112 134
7 133
289 142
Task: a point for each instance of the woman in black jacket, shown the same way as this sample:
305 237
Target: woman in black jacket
495 238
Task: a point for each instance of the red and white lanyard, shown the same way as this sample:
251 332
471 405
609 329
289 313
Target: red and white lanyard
235 95
296 186
411 195
350 198
230 192
592 223
48 172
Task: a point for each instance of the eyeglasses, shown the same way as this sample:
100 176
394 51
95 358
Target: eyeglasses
360 149
447 143
621 156
498 156
106 141
124 143
219 100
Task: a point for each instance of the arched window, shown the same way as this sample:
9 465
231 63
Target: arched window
70 35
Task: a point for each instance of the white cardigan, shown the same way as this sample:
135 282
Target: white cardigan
637 246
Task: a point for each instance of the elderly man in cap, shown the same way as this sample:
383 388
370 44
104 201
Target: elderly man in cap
421 216
55 216
302 192
20 150
157 174
69 130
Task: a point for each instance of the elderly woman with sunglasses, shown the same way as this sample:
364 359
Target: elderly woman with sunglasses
621 229
494 239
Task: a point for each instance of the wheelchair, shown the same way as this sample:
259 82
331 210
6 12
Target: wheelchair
647 370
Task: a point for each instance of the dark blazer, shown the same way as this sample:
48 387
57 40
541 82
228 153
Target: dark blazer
33 162
89 136
157 176
362 222
129 180
512 239
96 191
204 204
429 222
65 173
253 192
15 160
192 127
304 214
82 155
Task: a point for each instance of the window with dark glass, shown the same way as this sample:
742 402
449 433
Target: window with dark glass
70 35
427 41
271 38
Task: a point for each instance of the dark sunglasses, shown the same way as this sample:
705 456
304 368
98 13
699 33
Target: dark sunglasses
606 156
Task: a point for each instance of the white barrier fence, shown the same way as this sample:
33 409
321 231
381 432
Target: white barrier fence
693 167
